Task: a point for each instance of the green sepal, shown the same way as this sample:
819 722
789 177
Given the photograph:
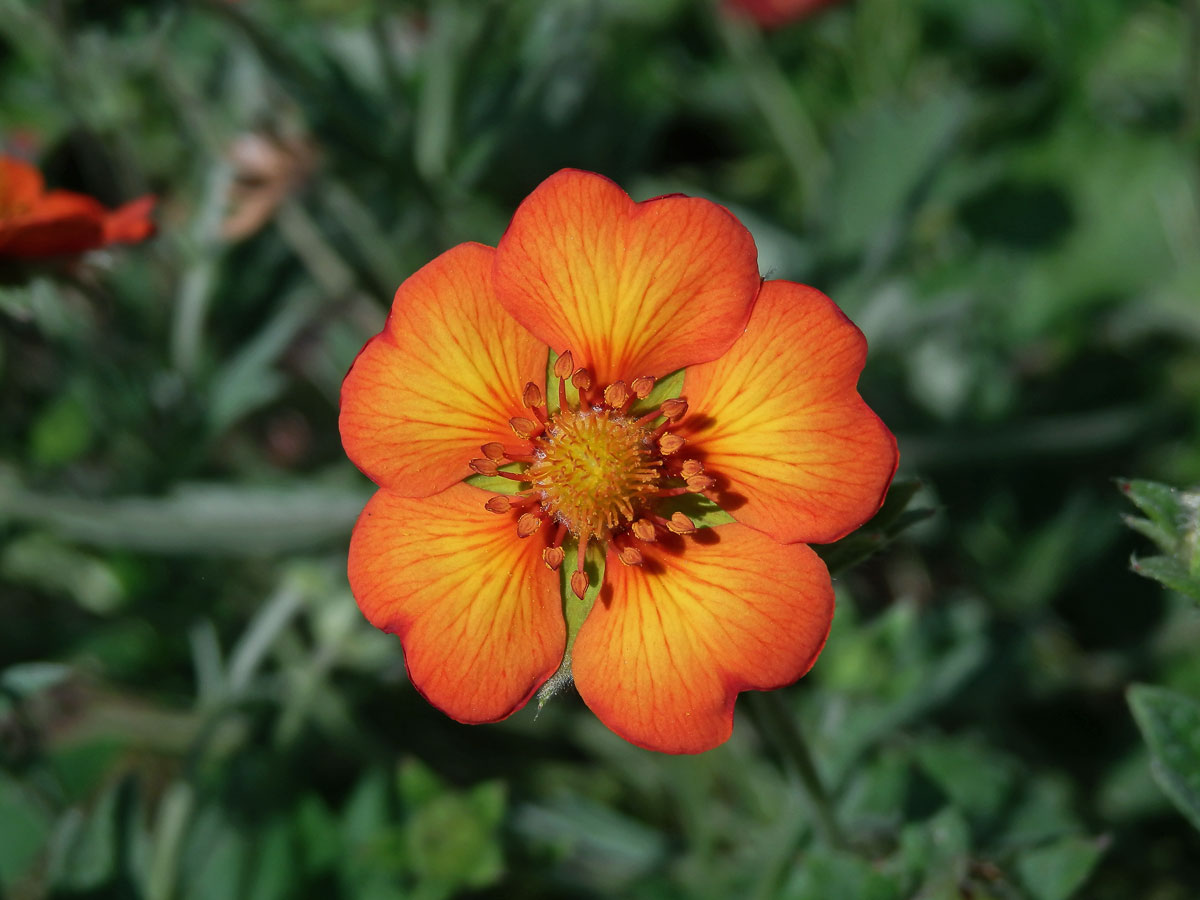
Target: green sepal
575 611
665 388
703 512
495 484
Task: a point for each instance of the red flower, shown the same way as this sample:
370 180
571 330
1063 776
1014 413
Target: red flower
772 428
37 223
772 13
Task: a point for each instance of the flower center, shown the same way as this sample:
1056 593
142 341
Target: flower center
595 470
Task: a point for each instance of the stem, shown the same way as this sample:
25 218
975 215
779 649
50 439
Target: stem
776 723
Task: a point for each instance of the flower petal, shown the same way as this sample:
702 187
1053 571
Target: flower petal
478 614
21 184
629 288
443 377
130 223
779 422
669 644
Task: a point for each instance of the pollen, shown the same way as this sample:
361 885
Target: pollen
596 470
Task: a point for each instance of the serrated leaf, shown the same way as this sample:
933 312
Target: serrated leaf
1170 723
1168 571
1159 502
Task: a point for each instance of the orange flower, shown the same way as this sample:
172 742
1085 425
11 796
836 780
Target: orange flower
37 223
772 428
772 13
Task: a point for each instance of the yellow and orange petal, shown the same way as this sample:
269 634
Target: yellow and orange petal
478 614
798 453
669 644
629 288
443 378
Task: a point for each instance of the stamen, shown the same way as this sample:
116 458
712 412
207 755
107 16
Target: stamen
493 450
553 557
630 556
499 504
528 524
670 443
582 379
675 408
616 395
698 484
484 466
642 386
579 578
680 524
563 367
524 428
643 530
691 467
532 396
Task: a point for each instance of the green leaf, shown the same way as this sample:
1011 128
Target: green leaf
1058 870
26 679
86 851
239 520
24 827
976 779
1162 504
1170 724
1168 571
61 433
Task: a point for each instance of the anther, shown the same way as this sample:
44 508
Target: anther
532 395
643 530
642 386
691 467
484 466
522 427
528 524
680 524
498 504
579 583
553 557
616 394
494 451
674 409
582 379
630 556
563 367
698 484
670 443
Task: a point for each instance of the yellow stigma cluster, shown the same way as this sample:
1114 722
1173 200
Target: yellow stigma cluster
595 470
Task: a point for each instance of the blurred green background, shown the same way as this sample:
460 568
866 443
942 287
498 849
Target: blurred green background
1003 194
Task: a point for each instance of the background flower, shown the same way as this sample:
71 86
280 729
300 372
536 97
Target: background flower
37 223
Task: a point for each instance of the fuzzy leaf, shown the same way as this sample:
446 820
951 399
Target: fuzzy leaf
1170 723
